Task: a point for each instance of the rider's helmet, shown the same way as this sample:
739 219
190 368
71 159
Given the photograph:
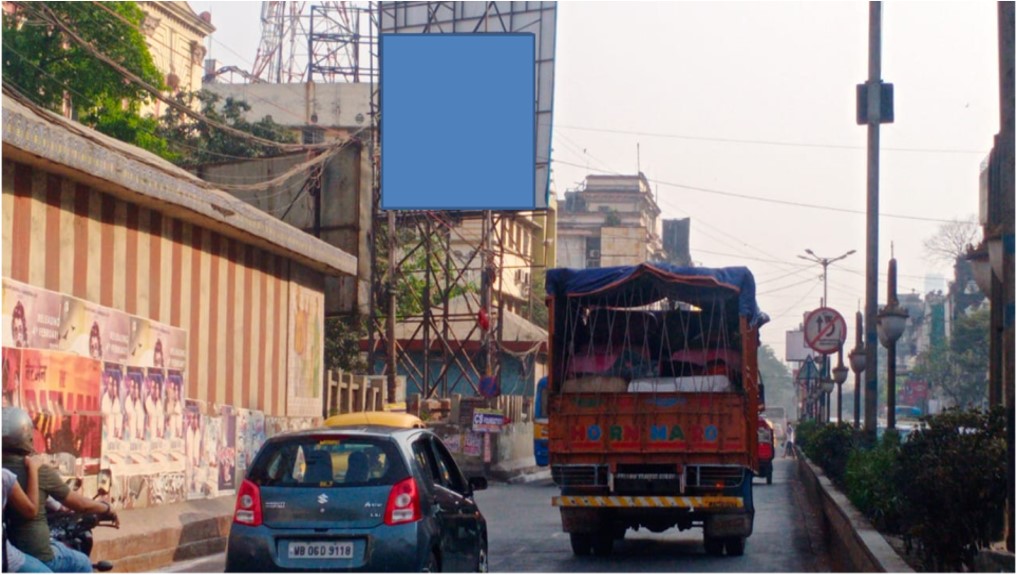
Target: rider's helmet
17 430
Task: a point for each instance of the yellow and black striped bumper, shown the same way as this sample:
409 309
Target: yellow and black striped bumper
691 503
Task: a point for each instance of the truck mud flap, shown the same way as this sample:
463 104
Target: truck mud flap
651 502
728 525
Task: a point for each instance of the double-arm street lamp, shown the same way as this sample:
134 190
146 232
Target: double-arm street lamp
825 262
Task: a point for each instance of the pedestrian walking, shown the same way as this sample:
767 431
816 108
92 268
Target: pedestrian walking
789 442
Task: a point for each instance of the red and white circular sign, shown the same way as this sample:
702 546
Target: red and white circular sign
825 330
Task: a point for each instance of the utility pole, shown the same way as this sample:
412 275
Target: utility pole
390 327
1005 15
870 97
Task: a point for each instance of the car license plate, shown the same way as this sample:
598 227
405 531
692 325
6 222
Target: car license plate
320 550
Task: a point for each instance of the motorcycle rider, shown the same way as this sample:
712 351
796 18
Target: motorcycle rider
33 535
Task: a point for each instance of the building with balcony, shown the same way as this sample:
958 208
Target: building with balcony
611 220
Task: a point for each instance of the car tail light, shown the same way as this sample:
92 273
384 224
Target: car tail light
248 509
403 503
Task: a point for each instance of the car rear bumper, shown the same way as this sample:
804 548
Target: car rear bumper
401 548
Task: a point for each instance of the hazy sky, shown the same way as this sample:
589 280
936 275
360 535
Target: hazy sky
758 99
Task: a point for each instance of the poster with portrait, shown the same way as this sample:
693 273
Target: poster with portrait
11 376
115 449
209 469
134 408
80 332
31 316
306 346
194 430
227 449
174 408
61 393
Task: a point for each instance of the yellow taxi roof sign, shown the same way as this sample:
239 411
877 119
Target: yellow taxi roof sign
384 418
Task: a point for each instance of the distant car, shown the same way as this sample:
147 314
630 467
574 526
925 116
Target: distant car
365 498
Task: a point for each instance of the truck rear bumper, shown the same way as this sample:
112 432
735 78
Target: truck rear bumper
717 502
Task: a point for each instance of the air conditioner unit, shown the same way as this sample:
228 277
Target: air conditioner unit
593 253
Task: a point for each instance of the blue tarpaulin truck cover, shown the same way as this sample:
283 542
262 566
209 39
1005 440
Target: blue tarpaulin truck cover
647 283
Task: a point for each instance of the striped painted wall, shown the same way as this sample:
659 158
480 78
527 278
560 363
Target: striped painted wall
232 298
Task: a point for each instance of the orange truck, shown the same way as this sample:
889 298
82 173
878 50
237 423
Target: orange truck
652 401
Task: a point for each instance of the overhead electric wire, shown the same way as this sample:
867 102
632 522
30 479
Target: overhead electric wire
766 142
773 200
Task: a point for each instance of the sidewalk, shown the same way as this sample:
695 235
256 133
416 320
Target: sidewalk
149 539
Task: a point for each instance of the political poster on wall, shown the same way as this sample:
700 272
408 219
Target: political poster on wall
31 316
174 425
61 394
226 455
105 390
11 377
208 472
194 431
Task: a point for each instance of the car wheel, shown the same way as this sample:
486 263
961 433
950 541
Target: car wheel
581 543
713 545
482 561
735 546
433 565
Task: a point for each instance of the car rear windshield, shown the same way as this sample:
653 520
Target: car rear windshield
332 461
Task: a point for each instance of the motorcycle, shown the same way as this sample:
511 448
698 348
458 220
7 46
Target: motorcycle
74 529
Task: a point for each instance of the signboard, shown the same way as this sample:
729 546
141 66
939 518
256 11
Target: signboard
795 348
825 330
488 420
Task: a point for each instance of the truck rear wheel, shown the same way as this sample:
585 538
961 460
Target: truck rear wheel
713 545
735 546
603 543
582 543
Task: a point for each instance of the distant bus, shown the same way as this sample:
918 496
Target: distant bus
778 417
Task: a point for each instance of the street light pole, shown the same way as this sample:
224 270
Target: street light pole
825 262
873 118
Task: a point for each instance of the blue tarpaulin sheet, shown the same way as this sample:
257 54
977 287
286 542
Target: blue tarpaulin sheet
647 283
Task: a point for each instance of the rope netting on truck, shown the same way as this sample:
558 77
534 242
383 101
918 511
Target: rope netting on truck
651 329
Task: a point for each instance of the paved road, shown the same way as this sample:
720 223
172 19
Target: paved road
525 536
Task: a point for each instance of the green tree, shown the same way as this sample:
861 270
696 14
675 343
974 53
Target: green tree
777 378
959 368
342 343
46 66
194 142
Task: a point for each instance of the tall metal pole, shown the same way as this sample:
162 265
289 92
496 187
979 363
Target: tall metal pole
891 350
1005 15
390 323
872 218
858 376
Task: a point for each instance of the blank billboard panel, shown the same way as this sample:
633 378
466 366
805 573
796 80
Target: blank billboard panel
457 121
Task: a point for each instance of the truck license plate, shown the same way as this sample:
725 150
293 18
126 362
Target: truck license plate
320 550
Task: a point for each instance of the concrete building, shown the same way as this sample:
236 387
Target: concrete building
610 221
158 319
175 35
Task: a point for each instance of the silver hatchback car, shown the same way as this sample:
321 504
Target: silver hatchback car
365 498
